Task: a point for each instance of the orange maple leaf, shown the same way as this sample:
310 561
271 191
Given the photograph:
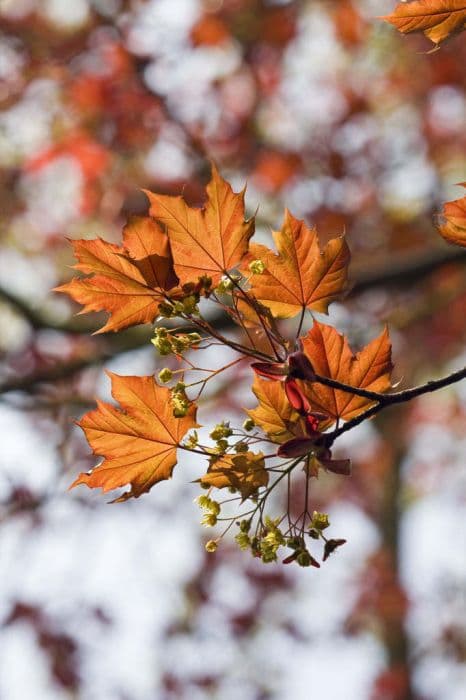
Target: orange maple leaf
138 443
129 281
332 357
300 275
209 241
454 215
437 19
244 472
274 414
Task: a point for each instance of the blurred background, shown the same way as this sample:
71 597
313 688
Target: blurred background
320 107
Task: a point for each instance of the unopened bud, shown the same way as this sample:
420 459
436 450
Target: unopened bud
257 267
165 375
248 424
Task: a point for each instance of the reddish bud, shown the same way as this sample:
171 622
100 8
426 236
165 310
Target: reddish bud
331 546
296 397
292 557
270 370
312 425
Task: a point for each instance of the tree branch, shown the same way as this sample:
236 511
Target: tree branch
397 397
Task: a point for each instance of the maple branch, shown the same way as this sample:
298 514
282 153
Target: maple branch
207 328
397 397
357 391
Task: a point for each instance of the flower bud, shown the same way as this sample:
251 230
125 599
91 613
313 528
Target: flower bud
248 424
243 540
166 309
257 267
320 521
245 525
165 375
241 447
190 304
209 520
225 285
211 546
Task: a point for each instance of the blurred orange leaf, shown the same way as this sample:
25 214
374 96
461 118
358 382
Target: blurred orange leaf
331 356
209 241
209 30
454 214
139 442
300 275
437 19
130 281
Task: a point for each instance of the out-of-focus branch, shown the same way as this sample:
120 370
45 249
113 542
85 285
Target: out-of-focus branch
42 321
108 347
405 268
66 370
401 270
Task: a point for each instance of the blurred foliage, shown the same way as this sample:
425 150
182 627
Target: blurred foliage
318 106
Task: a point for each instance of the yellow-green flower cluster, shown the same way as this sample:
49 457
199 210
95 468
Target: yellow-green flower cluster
319 522
267 544
271 540
242 538
211 510
257 267
220 433
180 401
168 343
192 440
221 430
248 425
224 286
165 375
186 306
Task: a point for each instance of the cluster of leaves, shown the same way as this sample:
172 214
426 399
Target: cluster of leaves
310 388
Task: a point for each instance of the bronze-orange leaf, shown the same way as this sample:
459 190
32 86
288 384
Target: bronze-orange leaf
139 441
300 275
453 228
331 356
274 414
129 281
437 19
209 241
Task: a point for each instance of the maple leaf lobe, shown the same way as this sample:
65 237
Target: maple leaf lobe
331 356
130 281
205 242
137 441
300 275
453 228
438 20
